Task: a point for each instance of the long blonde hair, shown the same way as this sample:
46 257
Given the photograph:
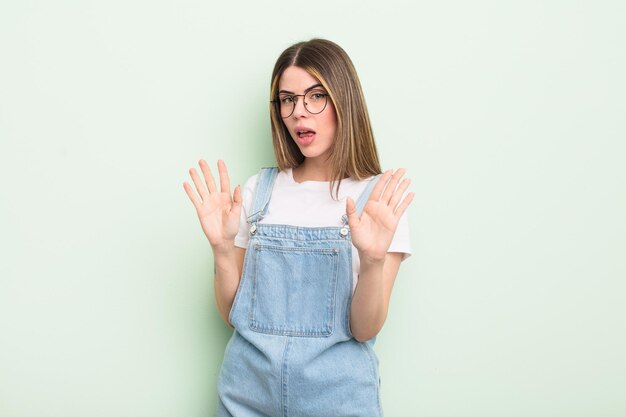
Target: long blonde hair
353 153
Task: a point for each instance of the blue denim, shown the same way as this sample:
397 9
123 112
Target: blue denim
292 353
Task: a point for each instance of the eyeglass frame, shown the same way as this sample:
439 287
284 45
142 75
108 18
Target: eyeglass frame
277 102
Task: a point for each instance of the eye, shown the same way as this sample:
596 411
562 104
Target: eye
286 100
317 95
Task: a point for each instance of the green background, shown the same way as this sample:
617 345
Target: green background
508 115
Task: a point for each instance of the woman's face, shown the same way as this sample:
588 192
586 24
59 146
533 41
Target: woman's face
313 133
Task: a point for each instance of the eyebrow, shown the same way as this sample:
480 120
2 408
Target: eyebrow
305 91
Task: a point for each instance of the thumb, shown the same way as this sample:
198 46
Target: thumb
237 200
353 218
237 195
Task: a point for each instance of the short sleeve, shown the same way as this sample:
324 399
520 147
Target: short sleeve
242 238
402 238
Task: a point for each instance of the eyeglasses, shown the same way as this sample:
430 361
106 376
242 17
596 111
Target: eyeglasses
314 102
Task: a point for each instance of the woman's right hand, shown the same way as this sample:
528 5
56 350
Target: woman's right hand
217 211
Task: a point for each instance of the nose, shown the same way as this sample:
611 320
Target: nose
299 109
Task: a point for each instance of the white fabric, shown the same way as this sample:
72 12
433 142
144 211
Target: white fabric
309 204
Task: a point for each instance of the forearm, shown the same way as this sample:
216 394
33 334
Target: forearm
369 306
226 280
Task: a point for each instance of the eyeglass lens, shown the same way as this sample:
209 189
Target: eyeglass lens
314 102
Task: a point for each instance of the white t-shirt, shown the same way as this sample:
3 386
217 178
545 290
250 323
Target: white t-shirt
309 204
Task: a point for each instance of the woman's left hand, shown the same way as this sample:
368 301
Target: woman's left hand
373 232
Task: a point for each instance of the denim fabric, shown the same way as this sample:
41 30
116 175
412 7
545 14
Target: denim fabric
292 353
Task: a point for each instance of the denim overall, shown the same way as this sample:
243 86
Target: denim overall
292 353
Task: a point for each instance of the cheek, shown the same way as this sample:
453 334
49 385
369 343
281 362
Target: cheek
331 119
288 125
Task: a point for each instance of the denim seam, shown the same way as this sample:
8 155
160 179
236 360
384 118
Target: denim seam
261 246
333 293
350 295
372 362
301 240
285 379
282 331
339 238
239 287
304 228
253 289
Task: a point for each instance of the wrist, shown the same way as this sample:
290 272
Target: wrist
371 261
224 248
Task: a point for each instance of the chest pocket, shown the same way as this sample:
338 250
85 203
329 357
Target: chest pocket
293 290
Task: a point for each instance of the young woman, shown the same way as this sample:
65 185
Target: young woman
306 256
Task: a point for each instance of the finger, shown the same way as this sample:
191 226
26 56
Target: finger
208 176
353 218
192 196
391 187
199 185
380 185
224 180
405 203
399 192
237 200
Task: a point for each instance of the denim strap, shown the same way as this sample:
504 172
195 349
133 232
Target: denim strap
362 200
262 193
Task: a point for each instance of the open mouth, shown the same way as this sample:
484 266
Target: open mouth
305 133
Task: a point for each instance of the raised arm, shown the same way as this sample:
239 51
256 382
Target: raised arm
219 214
372 234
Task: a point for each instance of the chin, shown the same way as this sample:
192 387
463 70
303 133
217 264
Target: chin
314 155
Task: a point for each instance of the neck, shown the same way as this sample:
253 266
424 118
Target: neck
311 170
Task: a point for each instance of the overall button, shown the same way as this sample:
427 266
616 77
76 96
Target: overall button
253 229
344 231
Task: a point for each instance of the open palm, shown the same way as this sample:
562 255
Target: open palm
217 211
373 231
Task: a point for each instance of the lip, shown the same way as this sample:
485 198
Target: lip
301 128
304 141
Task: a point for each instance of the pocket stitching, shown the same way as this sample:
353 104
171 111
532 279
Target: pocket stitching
327 322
